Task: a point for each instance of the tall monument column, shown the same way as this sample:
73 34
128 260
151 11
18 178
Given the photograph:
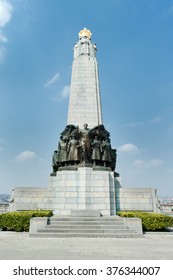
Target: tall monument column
83 176
85 102
84 141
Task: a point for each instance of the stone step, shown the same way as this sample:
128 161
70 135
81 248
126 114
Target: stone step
85 235
89 223
81 230
69 218
85 227
78 226
85 219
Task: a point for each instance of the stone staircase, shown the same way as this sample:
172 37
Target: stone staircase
85 227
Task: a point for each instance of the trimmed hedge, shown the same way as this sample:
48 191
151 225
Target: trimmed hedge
19 221
150 221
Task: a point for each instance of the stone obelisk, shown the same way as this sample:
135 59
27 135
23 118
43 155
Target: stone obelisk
85 102
84 163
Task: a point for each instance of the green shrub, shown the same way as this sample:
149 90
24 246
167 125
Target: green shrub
19 221
150 221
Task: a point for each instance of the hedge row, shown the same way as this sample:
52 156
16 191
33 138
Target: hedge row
19 221
150 221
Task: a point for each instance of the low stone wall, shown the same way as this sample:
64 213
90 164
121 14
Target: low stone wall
140 199
4 207
28 198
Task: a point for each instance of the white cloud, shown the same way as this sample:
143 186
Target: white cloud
53 80
2 54
65 92
26 155
149 163
3 38
128 148
156 120
6 10
155 162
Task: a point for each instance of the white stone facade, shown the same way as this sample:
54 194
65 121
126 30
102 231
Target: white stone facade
84 189
85 102
137 199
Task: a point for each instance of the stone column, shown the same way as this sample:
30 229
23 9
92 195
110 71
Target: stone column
85 102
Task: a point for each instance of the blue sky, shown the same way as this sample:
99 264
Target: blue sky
135 43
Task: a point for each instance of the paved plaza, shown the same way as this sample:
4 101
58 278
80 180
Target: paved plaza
153 246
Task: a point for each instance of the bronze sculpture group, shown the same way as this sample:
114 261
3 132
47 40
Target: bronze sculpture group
84 146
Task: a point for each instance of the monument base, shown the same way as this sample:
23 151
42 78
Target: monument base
85 189
82 189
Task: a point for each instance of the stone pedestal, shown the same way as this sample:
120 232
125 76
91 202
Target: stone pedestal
83 189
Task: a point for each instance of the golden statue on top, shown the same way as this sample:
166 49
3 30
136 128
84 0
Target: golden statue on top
85 33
